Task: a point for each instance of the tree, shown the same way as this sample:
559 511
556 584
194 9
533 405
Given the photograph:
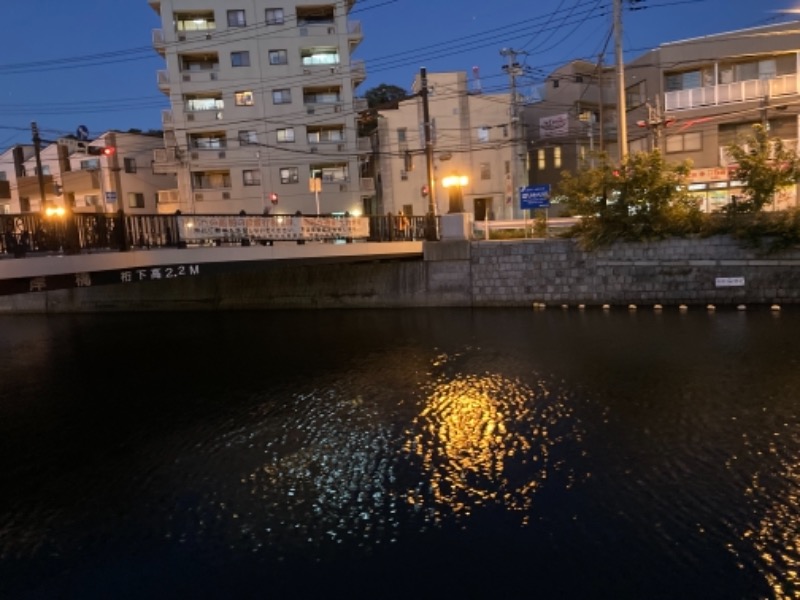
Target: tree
765 166
642 199
385 96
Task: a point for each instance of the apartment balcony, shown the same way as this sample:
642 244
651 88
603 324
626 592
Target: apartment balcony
732 93
162 77
323 108
358 71
166 161
203 117
210 195
202 76
354 34
80 181
29 186
727 161
159 42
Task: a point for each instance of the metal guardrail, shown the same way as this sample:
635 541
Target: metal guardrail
74 233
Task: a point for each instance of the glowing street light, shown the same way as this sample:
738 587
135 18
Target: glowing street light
455 185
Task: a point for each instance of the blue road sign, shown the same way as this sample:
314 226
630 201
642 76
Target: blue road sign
534 196
82 133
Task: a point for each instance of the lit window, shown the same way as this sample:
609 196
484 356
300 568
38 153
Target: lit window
285 135
557 157
244 98
686 142
236 18
401 134
290 175
135 200
274 16
251 177
483 134
540 160
486 170
240 59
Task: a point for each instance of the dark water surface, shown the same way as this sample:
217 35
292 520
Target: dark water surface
420 453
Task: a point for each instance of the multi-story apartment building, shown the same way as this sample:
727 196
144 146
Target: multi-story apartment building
695 97
263 108
576 115
472 137
690 98
121 179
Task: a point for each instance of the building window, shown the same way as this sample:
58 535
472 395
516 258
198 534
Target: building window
90 200
319 57
483 134
635 95
285 135
251 177
135 200
244 98
557 157
283 96
90 164
507 167
290 175
236 18
130 165
402 135
541 161
240 59
331 173
278 57
247 138
274 16
685 142
486 170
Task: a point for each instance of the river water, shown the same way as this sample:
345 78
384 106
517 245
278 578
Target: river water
405 453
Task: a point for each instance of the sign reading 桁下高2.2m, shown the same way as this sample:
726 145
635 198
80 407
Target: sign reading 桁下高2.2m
534 196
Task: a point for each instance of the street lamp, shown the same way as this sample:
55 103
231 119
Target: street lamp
455 185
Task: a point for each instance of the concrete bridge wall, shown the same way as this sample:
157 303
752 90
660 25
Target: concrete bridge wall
464 274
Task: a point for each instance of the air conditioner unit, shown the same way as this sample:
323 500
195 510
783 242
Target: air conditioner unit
340 147
306 71
310 110
208 36
195 155
313 149
337 108
221 154
190 117
181 38
212 76
342 187
331 30
187 77
226 195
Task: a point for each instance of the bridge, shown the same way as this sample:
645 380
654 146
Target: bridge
41 253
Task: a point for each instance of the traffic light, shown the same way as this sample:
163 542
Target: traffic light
100 150
424 191
273 197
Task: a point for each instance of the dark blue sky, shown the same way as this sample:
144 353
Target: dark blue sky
91 62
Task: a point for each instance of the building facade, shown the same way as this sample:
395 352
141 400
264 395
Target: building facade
263 108
472 137
109 173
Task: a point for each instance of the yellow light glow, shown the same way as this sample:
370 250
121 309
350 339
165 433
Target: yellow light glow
455 181
54 211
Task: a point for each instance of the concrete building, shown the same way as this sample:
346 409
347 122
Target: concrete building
73 176
263 108
693 98
689 98
472 136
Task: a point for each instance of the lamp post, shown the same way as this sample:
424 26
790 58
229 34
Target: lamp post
455 185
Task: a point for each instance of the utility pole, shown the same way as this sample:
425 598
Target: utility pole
37 148
514 70
622 125
431 234
600 84
656 122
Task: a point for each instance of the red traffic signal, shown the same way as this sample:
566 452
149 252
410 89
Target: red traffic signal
273 197
100 150
424 191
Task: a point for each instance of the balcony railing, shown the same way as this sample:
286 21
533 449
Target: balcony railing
729 93
159 43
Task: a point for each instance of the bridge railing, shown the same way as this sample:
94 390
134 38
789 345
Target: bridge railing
25 233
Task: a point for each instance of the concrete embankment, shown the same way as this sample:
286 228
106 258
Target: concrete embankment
519 273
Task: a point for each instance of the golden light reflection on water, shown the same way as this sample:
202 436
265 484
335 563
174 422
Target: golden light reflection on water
483 440
776 535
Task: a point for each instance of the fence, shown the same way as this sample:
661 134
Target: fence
78 232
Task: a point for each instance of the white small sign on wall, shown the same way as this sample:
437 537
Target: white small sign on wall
729 281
